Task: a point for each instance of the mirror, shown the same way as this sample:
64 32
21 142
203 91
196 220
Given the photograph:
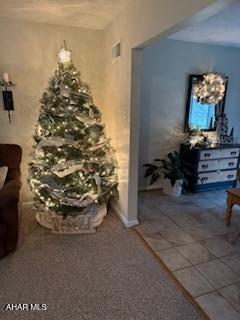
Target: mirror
199 115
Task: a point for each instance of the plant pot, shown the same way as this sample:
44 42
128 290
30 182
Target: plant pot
173 191
86 222
177 188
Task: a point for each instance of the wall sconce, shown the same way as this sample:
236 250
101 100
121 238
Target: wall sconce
7 94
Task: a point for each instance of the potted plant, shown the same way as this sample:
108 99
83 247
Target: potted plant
174 171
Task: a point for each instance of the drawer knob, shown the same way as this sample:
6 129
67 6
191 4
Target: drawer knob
204 179
233 153
204 166
230 164
230 176
207 155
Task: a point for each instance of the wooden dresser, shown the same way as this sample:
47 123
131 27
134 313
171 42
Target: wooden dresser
216 167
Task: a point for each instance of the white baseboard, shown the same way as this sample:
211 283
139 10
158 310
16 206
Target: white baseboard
127 223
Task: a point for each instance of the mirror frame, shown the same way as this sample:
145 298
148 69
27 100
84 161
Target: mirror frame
221 104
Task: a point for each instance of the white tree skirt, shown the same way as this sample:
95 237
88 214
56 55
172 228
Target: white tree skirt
87 222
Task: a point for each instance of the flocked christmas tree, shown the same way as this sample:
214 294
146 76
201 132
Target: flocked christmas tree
73 165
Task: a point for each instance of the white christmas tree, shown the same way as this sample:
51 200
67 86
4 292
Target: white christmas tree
73 165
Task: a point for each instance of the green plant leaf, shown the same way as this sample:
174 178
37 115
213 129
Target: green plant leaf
171 157
154 178
177 156
172 168
148 165
150 171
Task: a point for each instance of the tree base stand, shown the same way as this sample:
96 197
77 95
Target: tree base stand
86 222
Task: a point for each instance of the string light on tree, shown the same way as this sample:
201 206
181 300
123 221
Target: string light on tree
70 147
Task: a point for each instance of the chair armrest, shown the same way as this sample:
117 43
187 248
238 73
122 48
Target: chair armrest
9 194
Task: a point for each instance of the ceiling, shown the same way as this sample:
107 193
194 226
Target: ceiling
221 29
91 14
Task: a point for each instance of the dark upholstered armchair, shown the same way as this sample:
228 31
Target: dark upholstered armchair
10 156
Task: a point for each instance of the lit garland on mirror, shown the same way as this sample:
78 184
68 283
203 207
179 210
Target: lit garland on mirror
210 90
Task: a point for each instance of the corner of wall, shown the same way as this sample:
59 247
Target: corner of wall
116 208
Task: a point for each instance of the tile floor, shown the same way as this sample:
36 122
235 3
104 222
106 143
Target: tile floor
190 236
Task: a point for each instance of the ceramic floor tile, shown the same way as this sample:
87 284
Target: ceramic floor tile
217 273
148 213
169 210
204 203
179 209
195 253
181 200
177 237
184 220
156 242
237 246
234 226
219 201
204 217
162 200
232 294
236 217
182 231
163 223
229 237
218 247
145 227
236 212
173 259
190 208
199 232
217 308
233 262
219 211
219 227
193 281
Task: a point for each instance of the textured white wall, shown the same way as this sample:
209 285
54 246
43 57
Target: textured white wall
141 21
29 54
166 67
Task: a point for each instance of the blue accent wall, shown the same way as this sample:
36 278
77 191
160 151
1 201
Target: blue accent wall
165 70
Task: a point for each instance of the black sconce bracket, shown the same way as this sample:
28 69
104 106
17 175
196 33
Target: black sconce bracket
8 97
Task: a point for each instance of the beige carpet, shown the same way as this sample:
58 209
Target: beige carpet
106 276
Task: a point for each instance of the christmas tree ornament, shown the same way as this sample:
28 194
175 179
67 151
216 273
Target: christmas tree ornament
64 56
73 169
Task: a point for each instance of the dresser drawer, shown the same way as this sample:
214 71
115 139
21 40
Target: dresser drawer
219 153
209 154
221 164
228 153
217 176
